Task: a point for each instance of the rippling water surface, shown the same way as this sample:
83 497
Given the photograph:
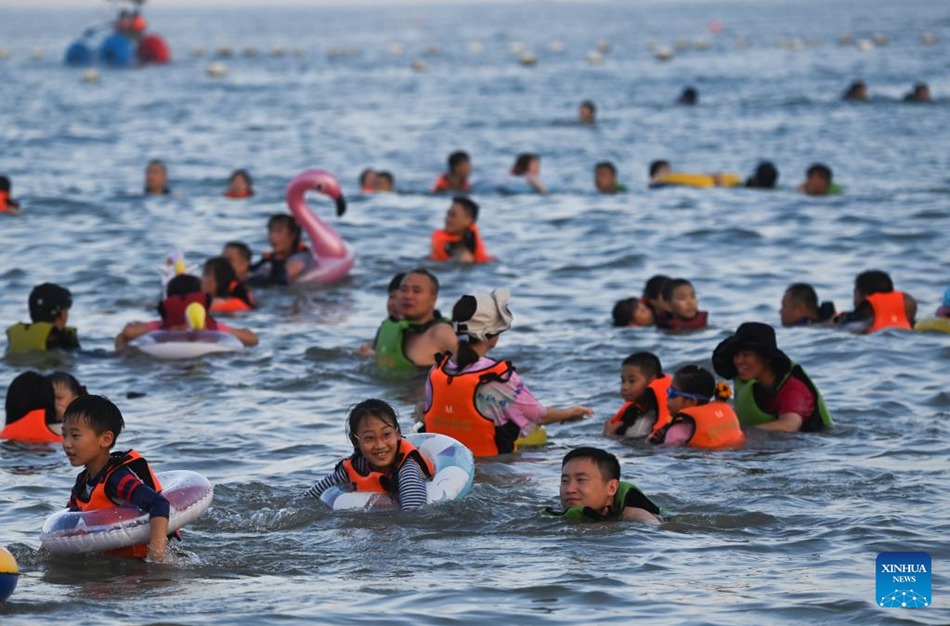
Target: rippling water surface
785 530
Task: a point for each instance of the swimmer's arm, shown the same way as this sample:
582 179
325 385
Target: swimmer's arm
444 338
125 486
130 332
611 427
787 423
412 487
294 268
634 514
535 182
555 414
158 542
247 337
338 477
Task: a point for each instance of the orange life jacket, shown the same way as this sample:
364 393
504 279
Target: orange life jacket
383 482
173 310
98 499
234 194
235 303
443 184
4 205
31 428
715 425
442 240
889 311
453 412
658 388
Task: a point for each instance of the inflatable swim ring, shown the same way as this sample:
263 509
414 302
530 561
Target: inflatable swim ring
333 258
454 472
76 532
934 325
537 437
186 344
682 179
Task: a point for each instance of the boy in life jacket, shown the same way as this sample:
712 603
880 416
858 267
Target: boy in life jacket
90 429
643 386
7 204
456 178
696 421
49 312
877 306
684 307
460 240
383 461
591 490
183 290
228 294
800 307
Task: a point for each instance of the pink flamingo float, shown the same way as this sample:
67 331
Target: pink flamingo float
333 258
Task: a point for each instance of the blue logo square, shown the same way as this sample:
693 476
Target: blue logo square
903 580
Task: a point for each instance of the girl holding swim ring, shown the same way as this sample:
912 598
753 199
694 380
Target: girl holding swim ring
383 461
484 403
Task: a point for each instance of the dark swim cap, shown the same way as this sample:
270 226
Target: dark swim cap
48 300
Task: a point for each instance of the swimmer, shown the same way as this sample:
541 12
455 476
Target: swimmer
49 313
632 312
7 204
90 429
528 166
65 389
878 306
764 177
643 387
800 307
385 182
368 180
239 185
456 178
393 316
227 293
689 97
920 93
659 170
288 258
460 240
183 290
587 112
857 92
605 178
31 408
382 461
653 297
684 307
156 179
591 490
239 256
818 181
700 417
481 402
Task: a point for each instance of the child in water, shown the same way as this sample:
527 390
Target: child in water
591 490
700 416
393 314
288 258
228 294
643 386
238 255
65 389
684 308
653 296
49 313
7 204
460 240
632 312
90 429
239 185
800 307
382 461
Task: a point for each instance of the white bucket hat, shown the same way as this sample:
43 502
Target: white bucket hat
491 315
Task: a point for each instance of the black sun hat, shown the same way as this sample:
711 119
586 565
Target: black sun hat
49 300
754 336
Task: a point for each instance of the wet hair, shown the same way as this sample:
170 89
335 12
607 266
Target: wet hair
457 158
28 392
421 271
223 273
624 311
67 380
364 174
689 96
695 380
873 281
523 162
653 288
607 165
287 221
243 250
158 163
821 170
852 92
384 175
647 362
590 105
805 294
100 413
672 285
372 407
247 178
607 463
396 281
470 208
656 165
182 285
4 183
765 176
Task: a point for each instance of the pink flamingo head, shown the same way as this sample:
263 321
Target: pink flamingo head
316 180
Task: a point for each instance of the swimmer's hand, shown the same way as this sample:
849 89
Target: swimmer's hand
568 414
366 350
158 550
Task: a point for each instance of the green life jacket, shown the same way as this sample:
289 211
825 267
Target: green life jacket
25 337
750 414
834 189
391 344
585 513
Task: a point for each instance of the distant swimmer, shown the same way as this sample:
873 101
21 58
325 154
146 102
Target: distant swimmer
383 460
699 414
35 405
528 166
393 316
156 179
857 91
684 307
878 306
7 204
591 490
920 93
771 391
368 180
653 296
764 177
288 258
818 181
689 97
239 256
455 180
228 294
49 313
632 312
587 112
460 240
385 182
659 169
605 178
643 387
239 185
481 402
800 307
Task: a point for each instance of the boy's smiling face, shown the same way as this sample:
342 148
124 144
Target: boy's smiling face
83 446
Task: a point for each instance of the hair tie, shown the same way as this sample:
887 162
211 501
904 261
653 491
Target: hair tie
465 337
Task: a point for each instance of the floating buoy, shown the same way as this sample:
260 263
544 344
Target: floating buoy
528 58
396 49
557 46
91 75
865 45
603 46
715 26
476 47
594 58
9 573
419 65
78 54
928 38
153 49
217 69
663 53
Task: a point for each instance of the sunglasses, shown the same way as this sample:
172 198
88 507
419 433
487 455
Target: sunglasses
675 393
